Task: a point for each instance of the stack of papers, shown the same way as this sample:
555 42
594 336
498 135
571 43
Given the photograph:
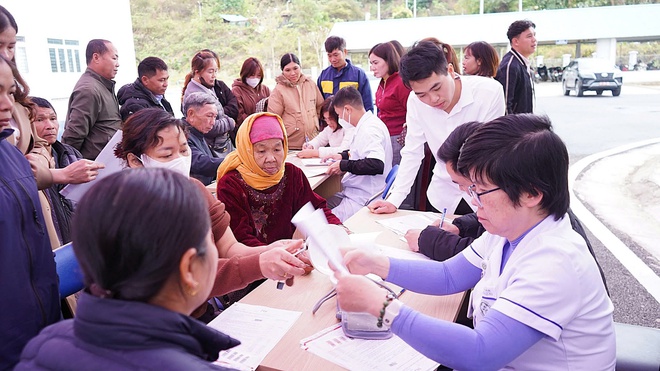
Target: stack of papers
358 354
258 328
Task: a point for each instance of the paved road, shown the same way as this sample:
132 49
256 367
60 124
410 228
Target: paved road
622 190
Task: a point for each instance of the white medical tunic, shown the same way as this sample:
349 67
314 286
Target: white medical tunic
552 284
482 99
371 139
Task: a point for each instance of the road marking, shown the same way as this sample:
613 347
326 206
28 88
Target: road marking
636 266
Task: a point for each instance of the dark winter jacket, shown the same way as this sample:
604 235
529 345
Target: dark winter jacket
30 294
226 98
441 245
517 83
109 334
331 80
135 96
62 208
204 161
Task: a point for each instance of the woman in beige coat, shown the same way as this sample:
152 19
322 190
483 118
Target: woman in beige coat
298 101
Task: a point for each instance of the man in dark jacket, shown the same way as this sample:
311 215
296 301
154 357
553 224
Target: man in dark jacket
30 295
148 90
201 110
342 72
515 72
93 114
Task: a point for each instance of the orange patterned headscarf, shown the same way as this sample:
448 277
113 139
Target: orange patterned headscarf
242 159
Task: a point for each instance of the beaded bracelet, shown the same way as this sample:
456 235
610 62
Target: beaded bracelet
388 299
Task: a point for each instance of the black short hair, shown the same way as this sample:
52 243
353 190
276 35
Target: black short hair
41 102
348 95
98 46
450 149
422 60
520 153
518 27
149 219
288 58
150 66
334 42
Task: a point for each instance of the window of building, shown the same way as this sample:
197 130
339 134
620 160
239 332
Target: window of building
64 55
21 55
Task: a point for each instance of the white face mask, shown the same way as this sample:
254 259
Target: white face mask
345 124
180 165
252 81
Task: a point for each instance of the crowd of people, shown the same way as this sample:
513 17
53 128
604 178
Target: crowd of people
161 255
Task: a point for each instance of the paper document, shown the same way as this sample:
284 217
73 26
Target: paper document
74 192
314 171
358 354
401 224
258 328
315 162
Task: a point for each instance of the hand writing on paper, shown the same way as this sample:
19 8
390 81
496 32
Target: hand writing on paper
412 237
382 207
308 152
451 228
332 158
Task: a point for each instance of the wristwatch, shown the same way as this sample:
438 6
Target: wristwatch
391 312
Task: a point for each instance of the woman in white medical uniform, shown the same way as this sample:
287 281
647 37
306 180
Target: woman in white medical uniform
538 301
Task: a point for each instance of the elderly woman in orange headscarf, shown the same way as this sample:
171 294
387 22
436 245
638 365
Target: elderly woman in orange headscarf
261 191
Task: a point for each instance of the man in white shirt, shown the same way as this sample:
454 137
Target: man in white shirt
440 101
366 162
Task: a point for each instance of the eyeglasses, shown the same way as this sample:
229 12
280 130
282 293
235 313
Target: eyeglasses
477 196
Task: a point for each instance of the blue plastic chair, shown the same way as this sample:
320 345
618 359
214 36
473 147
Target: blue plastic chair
389 180
68 270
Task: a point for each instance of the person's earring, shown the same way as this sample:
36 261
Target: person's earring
192 289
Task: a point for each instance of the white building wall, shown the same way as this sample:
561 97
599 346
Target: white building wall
74 20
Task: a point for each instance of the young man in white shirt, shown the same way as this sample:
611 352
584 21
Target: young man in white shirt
440 101
368 159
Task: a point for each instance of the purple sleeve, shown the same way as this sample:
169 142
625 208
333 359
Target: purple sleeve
492 344
440 278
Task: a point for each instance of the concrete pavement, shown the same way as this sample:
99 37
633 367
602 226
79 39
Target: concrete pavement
616 194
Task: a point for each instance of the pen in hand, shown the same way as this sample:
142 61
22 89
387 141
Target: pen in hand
442 221
280 284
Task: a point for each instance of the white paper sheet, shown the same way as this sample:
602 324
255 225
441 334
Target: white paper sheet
258 328
74 192
358 354
401 224
315 162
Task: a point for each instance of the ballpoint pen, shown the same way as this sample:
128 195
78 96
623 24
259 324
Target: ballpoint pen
280 283
442 221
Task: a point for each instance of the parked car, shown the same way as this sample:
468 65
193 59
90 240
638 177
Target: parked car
594 74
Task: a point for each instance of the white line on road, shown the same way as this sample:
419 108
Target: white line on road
637 268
